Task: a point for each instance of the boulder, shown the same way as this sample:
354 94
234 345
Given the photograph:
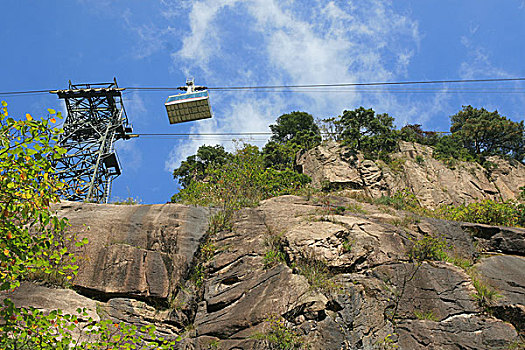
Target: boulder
239 292
497 239
459 332
511 283
139 314
345 243
506 275
437 290
143 266
327 164
48 299
143 251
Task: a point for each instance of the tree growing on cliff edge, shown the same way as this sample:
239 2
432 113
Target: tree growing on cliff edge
414 133
292 133
194 167
486 133
243 180
372 134
296 127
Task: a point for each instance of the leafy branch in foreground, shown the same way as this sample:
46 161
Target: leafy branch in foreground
30 328
31 238
34 244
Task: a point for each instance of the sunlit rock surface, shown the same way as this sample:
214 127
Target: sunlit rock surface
140 264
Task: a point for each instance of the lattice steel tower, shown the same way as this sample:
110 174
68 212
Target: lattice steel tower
95 120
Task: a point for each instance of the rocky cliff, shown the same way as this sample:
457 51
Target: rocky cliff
344 281
317 272
432 181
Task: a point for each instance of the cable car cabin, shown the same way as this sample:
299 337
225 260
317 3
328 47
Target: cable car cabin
190 106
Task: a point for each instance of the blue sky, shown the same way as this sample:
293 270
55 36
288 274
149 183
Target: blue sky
258 42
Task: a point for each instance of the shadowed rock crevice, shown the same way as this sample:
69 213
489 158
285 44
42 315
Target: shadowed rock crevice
514 314
105 297
497 239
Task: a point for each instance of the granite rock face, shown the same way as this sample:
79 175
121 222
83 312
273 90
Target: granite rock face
465 331
507 274
47 299
413 168
372 295
142 251
293 266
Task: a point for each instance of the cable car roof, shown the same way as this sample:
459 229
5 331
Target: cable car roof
181 98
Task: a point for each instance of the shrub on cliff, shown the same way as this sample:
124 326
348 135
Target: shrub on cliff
292 133
194 167
487 212
449 148
243 180
296 127
414 133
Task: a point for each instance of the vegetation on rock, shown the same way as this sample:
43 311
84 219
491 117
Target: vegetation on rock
216 177
279 336
194 167
368 132
293 133
250 175
428 248
475 135
487 212
486 133
242 181
298 128
414 133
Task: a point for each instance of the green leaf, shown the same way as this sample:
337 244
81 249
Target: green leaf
51 111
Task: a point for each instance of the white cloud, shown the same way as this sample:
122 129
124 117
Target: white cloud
270 42
149 36
174 8
204 39
478 64
150 40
